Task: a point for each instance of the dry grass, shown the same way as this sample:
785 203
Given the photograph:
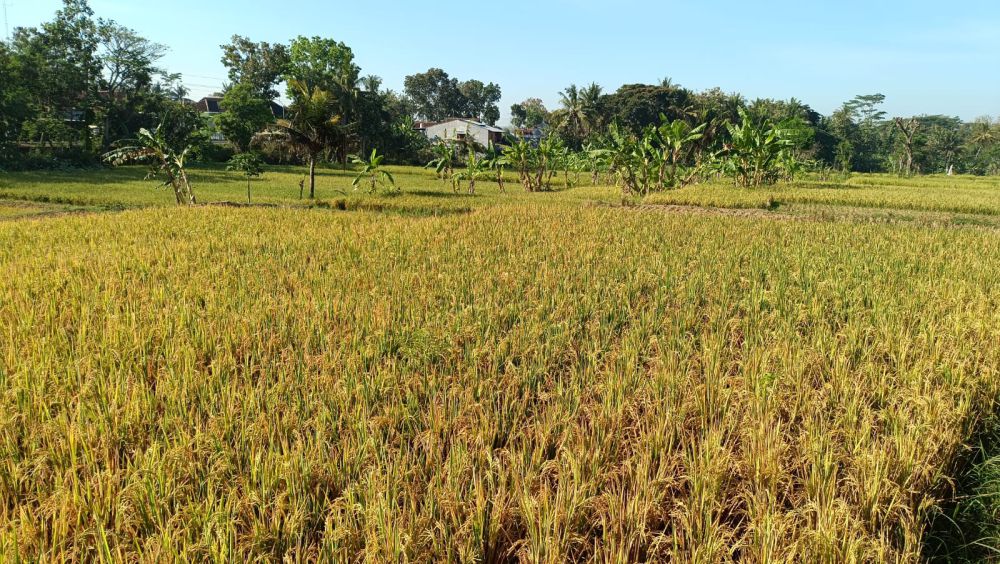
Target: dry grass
533 382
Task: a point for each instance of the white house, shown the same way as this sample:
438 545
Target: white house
459 129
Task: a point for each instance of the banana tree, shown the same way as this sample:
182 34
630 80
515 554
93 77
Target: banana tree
152 148
546 159
475 169
758 152
373 172
676 139
497 162
444 160
595 160
623 156
522 157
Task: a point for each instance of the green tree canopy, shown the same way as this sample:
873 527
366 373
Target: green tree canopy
258 65
244 115
437 96
529 113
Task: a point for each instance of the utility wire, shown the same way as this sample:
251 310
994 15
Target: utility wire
6 22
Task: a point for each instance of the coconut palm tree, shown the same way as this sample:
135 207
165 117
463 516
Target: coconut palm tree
313 127
591 97
576 122
371 83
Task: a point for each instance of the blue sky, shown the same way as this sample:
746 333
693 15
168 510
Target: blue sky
927 57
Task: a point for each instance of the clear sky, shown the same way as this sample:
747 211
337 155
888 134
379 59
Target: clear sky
927 57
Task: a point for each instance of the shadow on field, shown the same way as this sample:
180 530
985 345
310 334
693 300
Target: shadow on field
437 194
343 204
87 177
967 529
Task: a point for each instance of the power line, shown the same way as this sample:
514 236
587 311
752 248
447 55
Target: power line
6 22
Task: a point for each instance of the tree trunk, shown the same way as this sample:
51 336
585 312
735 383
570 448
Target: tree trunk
312 177
188 192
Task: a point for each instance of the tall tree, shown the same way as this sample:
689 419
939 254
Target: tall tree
859 122
371 83
130 63
481 100
259 65
529 113
437 96
328 66
60 63
244 115
575 122
323 63
15 100
636 106
907 129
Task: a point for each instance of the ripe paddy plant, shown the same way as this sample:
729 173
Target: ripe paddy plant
964 194
538 383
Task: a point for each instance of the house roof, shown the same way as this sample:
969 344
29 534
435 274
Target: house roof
469 121
213 105
209 105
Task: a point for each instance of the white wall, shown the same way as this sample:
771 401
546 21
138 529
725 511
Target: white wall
450 129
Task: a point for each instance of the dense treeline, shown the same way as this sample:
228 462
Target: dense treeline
76 86
858 136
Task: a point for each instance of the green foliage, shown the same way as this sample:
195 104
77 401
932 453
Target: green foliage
158 151
475 169
759 153
530 113
523 157
373 172
661 158
15 106
497 162
244 115
536 166
257 66
314 126
437 96
444 160
578 116
325 64
61 69
636 106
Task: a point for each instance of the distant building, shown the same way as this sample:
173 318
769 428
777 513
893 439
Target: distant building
461 129
212 105
530 134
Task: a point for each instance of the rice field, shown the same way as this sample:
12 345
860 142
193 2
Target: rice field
959 194
528 377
